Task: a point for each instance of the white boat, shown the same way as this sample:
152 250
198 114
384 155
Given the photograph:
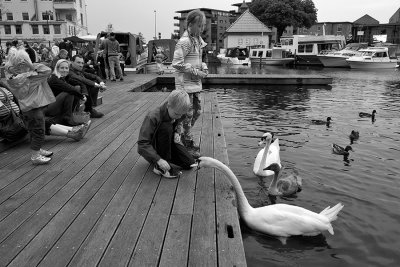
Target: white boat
235 55
373 58
307 47
337 59
270 56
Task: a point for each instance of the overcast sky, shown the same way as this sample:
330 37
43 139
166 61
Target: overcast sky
138 15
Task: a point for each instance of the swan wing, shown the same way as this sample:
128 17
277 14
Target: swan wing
286 220
273 154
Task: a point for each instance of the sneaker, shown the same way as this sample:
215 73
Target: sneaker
45 153
113 80
194 154
85 128
39 159
171 174
95 114
121 79
76 133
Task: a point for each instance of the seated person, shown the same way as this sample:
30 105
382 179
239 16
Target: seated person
89 83
7 101
156 138
89 65
70 94
63 54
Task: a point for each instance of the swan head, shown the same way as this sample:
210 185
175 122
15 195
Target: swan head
273 167
206 162
328 119
348 148
266 138
374 112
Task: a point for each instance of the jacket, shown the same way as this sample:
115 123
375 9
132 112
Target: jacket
84 79
151 123
59 85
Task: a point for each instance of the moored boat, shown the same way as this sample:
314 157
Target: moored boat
337 59
270 56
372 58
307 47
235 56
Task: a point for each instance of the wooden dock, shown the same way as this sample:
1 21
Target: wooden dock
98 203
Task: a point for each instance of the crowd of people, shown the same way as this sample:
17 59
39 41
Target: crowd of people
49 91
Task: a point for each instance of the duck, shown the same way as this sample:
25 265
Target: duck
321 122
286 186
339 150
354 135
266 156
368 115
279 220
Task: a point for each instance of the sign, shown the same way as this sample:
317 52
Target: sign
360 33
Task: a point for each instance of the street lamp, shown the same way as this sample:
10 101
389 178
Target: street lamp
155 24
48 14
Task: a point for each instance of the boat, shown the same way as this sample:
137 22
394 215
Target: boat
234 55
307 47
372 58
270 56
337 59
167 48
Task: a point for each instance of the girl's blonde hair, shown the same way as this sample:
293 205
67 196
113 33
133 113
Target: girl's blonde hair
179 100
59 62
194 15
17 56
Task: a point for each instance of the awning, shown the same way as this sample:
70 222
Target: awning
75 39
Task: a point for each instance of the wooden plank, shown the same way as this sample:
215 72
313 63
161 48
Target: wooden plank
229 236
203 239
148 248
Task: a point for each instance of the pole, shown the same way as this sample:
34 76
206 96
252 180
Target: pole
155 24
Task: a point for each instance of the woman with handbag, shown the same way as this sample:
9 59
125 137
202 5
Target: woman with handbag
28 83
68 96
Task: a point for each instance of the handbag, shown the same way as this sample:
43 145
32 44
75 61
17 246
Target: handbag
12 128
79 116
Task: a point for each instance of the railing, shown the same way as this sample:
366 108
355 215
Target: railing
64 1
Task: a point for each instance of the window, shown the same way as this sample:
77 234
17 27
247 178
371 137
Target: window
46 29
18 29
1 17
47 15
35 29
339 28
57 29
68 17
81 19
80 3
7 29
25 16
319 28
10 16
240 41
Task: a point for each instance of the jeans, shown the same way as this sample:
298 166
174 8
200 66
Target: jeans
62 109
186 122
35 123
114 63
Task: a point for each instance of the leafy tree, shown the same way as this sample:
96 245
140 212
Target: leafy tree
283 13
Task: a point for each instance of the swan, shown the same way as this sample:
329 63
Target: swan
286 186
368 115
321 122
336 149
266 156
354 135
279 220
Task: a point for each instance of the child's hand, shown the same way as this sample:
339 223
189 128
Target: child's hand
163 164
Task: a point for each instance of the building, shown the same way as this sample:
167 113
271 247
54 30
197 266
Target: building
42 21
328 28
396 17
246 31
217 21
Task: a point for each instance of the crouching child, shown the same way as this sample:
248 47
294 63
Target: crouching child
156 138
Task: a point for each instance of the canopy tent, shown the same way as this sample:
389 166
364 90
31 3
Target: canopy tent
88 37
75 39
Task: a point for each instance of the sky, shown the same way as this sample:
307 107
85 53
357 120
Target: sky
138 15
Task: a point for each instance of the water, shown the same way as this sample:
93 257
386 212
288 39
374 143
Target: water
367 231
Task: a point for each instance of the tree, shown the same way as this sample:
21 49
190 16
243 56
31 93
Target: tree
284 13
142 38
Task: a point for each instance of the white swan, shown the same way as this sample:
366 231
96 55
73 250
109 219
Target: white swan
286 186
280 220
268 155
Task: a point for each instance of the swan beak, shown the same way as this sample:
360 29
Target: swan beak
196 165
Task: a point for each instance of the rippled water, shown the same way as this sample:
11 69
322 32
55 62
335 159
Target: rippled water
367 231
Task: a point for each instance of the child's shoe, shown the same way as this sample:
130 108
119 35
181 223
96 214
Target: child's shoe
171 174
38 159
76 133
45 153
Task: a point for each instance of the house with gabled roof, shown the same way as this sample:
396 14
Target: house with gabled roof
247 30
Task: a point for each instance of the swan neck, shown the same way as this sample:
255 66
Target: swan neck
243 204
274 181
264 156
